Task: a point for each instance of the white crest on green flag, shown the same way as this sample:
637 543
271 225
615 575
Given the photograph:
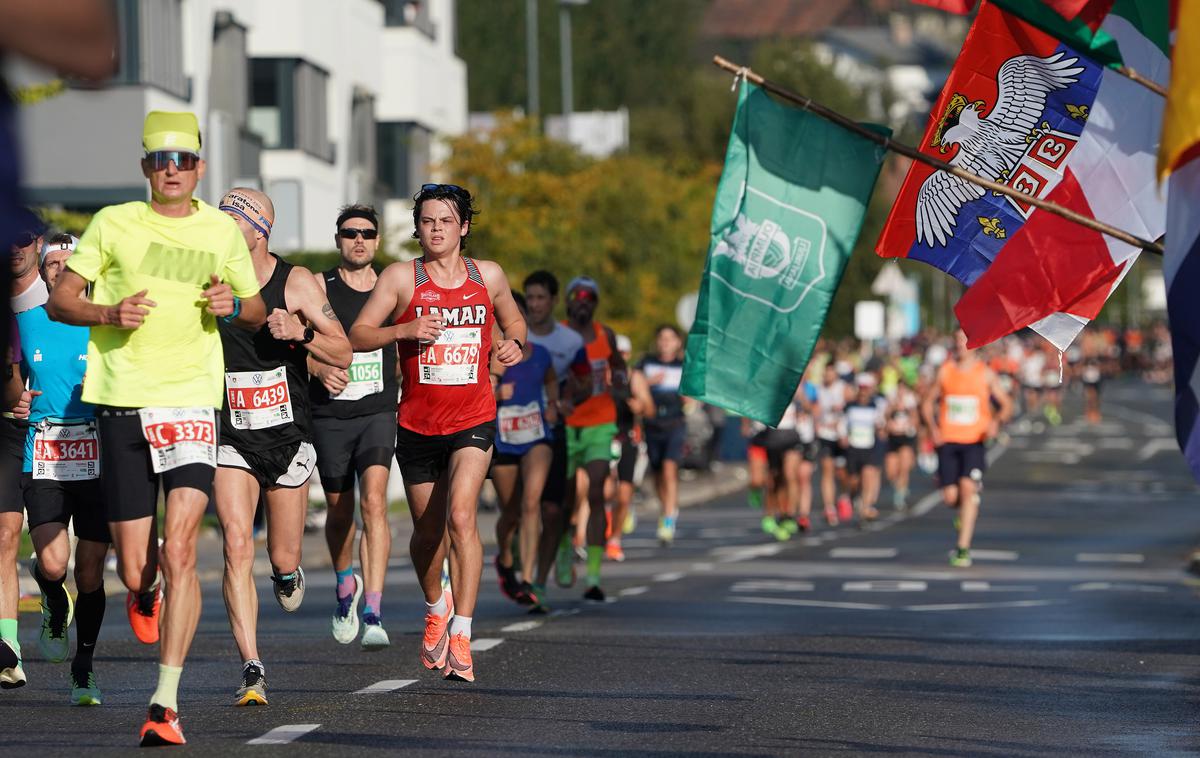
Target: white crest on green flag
789 209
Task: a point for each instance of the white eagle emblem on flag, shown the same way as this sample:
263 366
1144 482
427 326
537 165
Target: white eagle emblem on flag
989 147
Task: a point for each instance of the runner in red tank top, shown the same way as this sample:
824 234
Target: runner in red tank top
440 310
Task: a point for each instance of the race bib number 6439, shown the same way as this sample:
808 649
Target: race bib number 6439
180 436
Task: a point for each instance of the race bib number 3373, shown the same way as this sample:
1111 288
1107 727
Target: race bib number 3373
180 436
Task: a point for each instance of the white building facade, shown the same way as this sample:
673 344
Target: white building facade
318 103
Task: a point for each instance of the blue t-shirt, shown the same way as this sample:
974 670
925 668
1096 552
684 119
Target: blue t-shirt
521 420
54 357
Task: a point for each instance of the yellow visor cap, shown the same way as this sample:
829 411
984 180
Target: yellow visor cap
166 130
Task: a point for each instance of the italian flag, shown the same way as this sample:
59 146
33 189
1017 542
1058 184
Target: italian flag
1092 150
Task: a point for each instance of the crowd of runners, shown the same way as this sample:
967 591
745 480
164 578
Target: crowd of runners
170 351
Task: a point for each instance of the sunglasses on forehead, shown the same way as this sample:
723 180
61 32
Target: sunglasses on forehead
349 233
183 161
441 188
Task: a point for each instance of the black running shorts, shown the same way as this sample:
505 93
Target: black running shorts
128 484
288 466
555 490
49 501
425 458
961 461
347 447
12 456
858 458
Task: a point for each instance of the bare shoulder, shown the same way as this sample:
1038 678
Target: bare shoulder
319 278
493 275
302 284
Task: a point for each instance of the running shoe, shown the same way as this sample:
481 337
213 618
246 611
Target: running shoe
788 524
458 659
254 687
509 584
666 533
162 727
539 607
594 594
435 645
845 510
11 673
961 558
53 641
630 522
374 636
831 518
142 609
526 595
781 533
289 592
613 551
900 499
804 524
769 525
564 563
581 552
84 690
345 620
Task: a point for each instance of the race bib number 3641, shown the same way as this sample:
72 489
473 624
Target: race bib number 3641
180 436
66 453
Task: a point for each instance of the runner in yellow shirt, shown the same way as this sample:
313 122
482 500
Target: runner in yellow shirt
162 273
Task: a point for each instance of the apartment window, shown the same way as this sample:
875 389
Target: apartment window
289 107
404 156
414 13
151 46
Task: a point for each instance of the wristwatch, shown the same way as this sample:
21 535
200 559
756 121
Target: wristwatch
309 335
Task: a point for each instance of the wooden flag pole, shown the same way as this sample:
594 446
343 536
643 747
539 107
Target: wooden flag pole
1149 84
910 152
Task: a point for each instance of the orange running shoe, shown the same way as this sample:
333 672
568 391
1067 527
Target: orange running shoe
613 551
458 660
435 647
143 614
161 727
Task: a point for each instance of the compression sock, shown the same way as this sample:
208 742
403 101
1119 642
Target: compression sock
595 557
345 583
439 608
373 601
167 694
89 615
755 496
53 591
461 625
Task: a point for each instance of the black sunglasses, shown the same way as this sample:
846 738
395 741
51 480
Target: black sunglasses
441 188
25 239
184 161
349 233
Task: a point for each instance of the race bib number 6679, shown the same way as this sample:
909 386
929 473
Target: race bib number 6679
180 436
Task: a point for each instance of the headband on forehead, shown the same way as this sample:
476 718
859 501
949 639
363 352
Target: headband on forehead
350 213
247 208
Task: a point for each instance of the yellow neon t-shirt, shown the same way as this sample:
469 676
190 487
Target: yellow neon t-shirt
174 358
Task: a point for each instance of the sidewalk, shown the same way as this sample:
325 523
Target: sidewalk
695 488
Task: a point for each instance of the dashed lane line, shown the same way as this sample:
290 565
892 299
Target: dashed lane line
876 553
980 606
1117 587
282 735
669 576
994 555
485 643
771 585
885 585
631 591
977 586
1110 558
808 603
387 685
521 626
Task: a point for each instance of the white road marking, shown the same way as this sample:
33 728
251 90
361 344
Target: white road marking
885 585
486 643
877 553
521 626
771 585
994 555
1116 443
669 576
282 735
980 606
989 587
1156 446
560 613
808 603
1117 587
628 591
731 554
702 566
1110 558
387 685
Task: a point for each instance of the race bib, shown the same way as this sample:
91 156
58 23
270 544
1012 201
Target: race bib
599 376
806 429
366 376
66 453
862 437
962 410
179 436
520 424
453 358
258 399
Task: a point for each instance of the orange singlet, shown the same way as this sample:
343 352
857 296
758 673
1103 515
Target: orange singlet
599 408
966 403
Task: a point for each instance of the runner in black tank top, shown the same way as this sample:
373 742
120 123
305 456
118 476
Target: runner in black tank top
266 430
354 430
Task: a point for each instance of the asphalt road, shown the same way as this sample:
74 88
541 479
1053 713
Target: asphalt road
1074 634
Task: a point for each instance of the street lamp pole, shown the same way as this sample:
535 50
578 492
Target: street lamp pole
532 80
564 36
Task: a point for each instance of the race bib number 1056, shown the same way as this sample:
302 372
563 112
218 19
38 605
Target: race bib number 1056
180 436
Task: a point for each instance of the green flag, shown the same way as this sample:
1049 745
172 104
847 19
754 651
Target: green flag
789 208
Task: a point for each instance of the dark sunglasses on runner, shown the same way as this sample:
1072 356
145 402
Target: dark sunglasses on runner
348 233
184 161
440 187
25 239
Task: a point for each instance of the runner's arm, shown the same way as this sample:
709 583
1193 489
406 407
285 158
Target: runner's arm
391 290
617 366
329 344
928 403
550 386
641 402
508 315
1002 397
68 306
83 35
14 385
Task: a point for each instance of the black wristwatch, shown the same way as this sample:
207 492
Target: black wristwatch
309 335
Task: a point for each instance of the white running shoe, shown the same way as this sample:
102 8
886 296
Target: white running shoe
374 636
290 593
11 676
345 619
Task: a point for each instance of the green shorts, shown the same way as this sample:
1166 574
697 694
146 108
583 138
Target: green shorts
589 443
